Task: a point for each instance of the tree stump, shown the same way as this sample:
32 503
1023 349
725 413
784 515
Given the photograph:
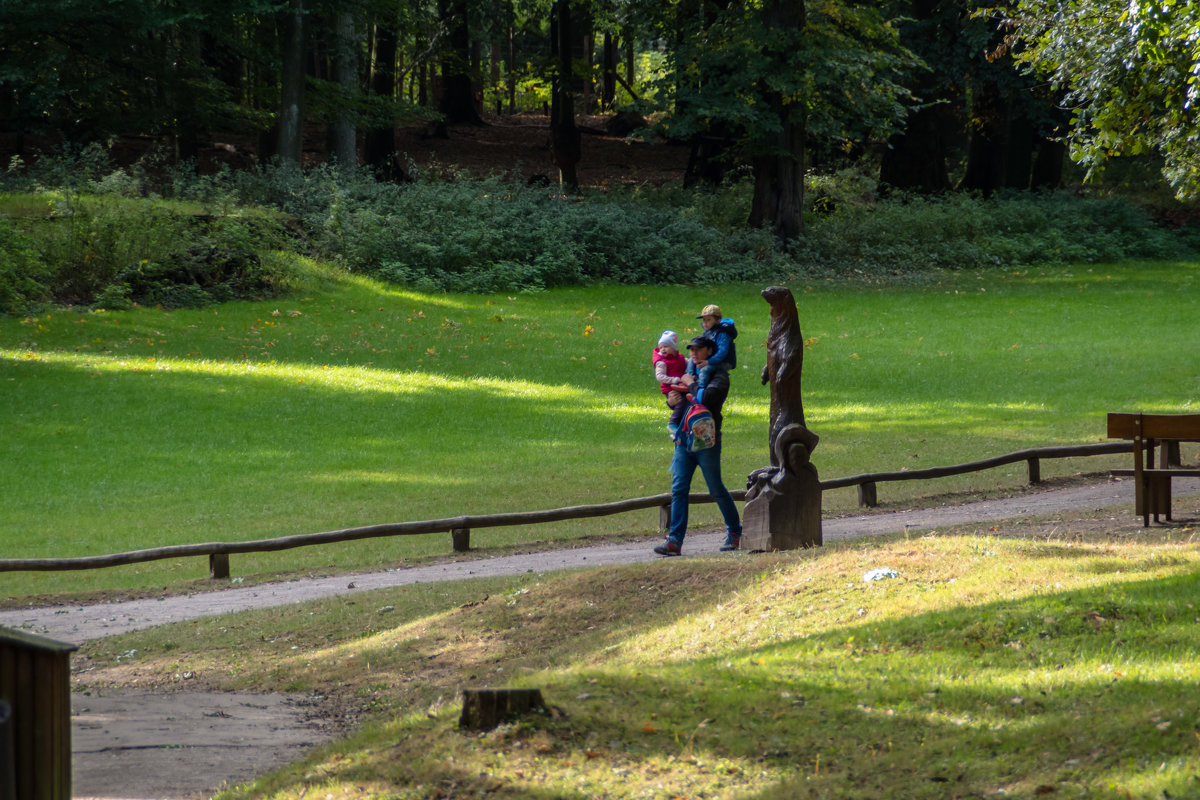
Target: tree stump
484 709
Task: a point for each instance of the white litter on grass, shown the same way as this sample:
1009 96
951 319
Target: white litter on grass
880 574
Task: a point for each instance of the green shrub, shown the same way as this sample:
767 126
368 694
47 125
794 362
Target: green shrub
23 278
904 234
113 251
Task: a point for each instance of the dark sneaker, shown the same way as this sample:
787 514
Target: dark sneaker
668 548
731 543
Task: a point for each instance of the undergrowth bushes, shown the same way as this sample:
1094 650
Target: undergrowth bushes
111 251
498 234
110 237
965 232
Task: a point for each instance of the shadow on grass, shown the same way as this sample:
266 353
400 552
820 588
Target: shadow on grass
1090 690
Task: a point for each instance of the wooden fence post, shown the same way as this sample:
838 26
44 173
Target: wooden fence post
460 539
866 494
218 566
1035 471
664 517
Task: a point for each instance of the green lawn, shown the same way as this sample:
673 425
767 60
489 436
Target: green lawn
355 403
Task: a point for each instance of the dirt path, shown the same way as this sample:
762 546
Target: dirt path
188 745
135 744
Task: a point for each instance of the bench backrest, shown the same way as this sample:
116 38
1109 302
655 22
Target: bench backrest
1153 426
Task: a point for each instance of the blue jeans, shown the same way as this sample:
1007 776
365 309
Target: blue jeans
683 467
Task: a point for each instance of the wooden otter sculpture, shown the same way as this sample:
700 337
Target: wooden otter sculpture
785 361
783 501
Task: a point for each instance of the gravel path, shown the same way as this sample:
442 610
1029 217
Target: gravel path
81 623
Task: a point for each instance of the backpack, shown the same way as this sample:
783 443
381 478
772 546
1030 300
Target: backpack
699 431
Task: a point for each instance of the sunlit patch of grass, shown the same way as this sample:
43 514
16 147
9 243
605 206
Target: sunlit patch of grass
1062 664
249 420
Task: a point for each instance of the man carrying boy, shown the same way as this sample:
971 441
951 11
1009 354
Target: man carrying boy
713 386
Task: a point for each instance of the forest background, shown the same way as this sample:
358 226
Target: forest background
904 128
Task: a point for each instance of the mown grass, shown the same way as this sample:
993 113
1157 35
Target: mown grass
997 663
356 403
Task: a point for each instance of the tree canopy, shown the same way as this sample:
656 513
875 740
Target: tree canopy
1130 70
931 88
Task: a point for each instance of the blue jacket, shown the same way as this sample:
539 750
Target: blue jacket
716 372
724 350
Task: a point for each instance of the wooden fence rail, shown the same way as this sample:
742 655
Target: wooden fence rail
1033 457
460 527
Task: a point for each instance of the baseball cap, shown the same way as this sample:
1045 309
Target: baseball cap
710 310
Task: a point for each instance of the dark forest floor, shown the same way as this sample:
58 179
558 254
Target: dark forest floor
517 146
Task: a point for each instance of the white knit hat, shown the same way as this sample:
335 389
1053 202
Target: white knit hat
669 338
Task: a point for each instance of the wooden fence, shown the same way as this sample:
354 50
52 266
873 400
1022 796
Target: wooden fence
460 527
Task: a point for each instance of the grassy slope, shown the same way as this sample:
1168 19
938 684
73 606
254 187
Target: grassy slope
360 404
998 663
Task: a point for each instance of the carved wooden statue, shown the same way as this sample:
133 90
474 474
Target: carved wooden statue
783 501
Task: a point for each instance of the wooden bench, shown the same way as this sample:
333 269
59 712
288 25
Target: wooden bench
1152 485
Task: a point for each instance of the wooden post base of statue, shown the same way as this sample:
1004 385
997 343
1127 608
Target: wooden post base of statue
783 510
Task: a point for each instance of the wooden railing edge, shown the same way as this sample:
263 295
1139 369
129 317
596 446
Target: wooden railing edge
459 527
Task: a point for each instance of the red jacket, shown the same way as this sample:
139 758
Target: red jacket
672 367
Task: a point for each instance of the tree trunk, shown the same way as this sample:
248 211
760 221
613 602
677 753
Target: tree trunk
458 90
476 73
987 155
564 136
494 60
708 159
630 65
587 55
778 170
1048 165
778 201
916 159
1019 163
510 67
608 91
344 132
289 141
185 131
380 143
423 84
